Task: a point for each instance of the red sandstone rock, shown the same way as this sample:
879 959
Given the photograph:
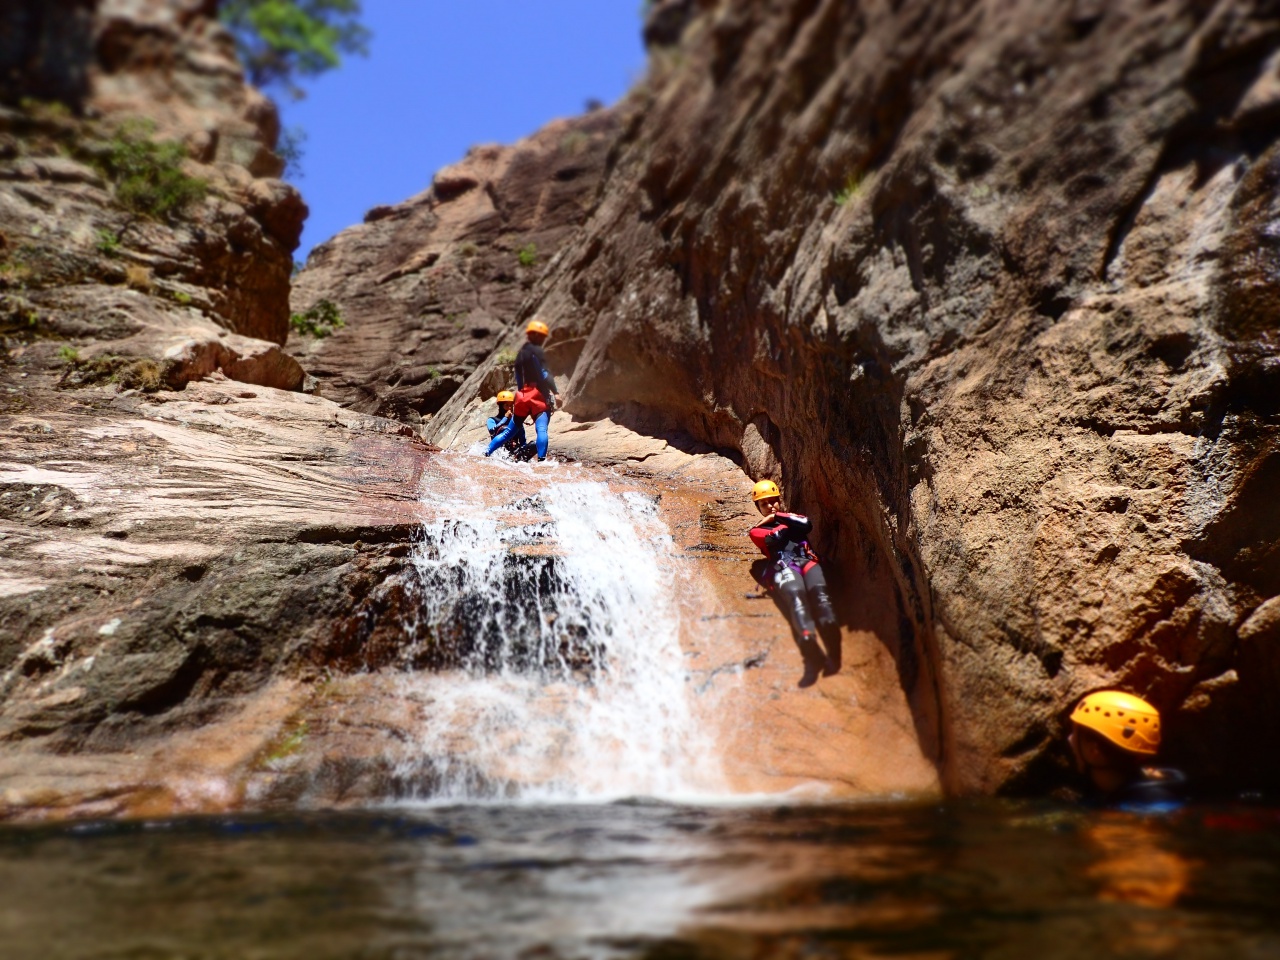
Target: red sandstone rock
993 294
429 287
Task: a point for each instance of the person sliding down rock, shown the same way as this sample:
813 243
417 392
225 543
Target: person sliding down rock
517 446
535 390
791 573
1111 734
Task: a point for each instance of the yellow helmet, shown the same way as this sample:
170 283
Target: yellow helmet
506 396
1127 721
765 490
537 326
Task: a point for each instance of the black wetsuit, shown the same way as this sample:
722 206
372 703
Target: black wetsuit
531 367
791 572
1155 789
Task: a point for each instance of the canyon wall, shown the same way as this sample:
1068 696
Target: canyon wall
180 525
991 288
429 287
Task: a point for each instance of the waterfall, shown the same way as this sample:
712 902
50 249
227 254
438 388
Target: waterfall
552 607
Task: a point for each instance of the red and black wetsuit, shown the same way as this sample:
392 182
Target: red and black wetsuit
533 382
790 571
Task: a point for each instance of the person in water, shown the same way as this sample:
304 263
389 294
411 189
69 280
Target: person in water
791 573
1112 735
518 447
535 390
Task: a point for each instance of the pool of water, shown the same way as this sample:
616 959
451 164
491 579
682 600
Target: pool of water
650 880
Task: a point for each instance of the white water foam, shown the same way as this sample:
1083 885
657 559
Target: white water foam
562 611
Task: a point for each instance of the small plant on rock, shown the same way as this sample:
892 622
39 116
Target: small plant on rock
145 375
182 297
68 353
138 277
108 243
575 143
505 358
851 189
319 321
148 175
128 373
528 255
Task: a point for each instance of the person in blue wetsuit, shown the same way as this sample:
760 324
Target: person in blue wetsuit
518 447
1112 734
535 390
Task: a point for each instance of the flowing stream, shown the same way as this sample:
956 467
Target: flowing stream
553 605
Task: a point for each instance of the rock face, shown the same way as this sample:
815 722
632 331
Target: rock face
88 261
993 293
171 557
428 288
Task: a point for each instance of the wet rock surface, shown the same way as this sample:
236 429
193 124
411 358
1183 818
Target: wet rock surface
992 295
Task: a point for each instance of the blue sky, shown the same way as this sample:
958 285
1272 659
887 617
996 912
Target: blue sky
442 76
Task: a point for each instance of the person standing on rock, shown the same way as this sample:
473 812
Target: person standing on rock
535 390
1112 734
517 446
791 573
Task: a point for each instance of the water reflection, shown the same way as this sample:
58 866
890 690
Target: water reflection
1135 867
647 880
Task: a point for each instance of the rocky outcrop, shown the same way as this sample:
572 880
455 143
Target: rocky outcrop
109 242
184 539
430 287
993 294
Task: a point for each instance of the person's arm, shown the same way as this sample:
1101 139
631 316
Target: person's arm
546 382
797 526
764 536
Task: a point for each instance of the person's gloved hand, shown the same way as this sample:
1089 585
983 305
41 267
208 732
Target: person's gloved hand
551 403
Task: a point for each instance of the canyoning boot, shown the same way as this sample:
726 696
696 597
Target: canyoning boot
814 661
834 642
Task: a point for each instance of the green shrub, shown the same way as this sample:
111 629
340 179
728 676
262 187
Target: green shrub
17 315
505 358
182 297
68 353
852 188
148 175
528 255
321 320
108 243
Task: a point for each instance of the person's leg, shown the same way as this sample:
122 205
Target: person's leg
540 428
815 583
790 592
501 439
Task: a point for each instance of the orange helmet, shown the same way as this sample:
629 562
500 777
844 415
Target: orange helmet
765 490
1127 721
506 396
537 326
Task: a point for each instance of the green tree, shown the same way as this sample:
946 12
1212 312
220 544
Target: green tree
283 41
